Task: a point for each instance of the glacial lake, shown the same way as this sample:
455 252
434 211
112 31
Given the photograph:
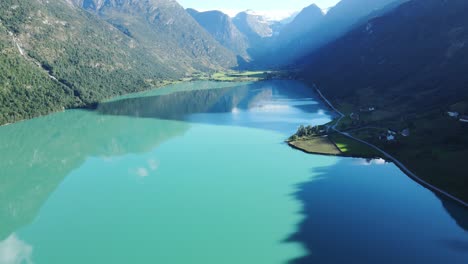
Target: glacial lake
199 173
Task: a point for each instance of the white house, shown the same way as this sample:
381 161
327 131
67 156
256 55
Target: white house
453 114
390 137
368 109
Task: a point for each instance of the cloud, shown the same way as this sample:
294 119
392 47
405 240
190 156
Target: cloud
153 164
275 15
142 172
15 251
269 15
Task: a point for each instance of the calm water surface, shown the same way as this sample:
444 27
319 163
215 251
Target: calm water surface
199 173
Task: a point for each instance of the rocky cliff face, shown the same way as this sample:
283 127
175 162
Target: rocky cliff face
165 29
221 27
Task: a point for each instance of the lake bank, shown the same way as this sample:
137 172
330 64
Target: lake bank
334 145
351 144
15 115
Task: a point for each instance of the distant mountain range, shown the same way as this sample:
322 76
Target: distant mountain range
72 53
277 43
222 28
312 29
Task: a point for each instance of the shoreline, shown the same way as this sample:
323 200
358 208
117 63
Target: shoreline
343 155
385 155
92 106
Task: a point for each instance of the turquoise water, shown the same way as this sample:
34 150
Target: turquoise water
199 173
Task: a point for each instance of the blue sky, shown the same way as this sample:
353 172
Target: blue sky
273 7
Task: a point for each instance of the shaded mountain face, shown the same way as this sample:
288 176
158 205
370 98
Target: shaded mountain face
259 33
418 48
309 18
342 17
221 27
311 29
166 30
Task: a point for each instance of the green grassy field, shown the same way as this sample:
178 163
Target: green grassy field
316 145
241 76
234 76
353 148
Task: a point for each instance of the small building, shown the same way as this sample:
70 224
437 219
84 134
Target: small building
368 109
453 114
405 132
464 119
391 132
390 137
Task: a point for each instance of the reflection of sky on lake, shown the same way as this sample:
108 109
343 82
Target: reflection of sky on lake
370 162
268 108
273 105
15 251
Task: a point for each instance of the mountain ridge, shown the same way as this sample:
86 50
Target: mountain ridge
221 27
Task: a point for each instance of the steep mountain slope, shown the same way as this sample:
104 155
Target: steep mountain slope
260 34
221 27
289 19
252 24
410 64
309 18
311 31
346 13
417 42
165 29
55 55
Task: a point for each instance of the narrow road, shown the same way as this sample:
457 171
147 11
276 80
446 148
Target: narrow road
387 155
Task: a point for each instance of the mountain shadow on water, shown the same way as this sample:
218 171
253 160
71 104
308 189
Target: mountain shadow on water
374 214
285 98
176 106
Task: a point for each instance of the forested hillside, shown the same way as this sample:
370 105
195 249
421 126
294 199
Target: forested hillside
166 31
56 55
